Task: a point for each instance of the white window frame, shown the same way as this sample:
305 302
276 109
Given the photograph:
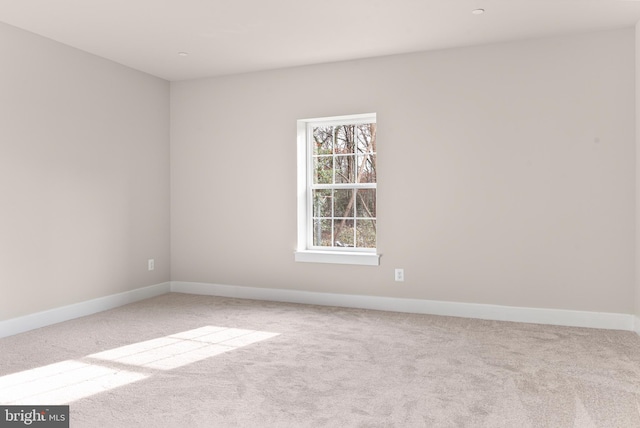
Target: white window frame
305 251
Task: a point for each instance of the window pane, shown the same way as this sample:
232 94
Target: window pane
323 170
322 233
366 233
343 233
323 140
367 168
366 203
343 201
345 169
322 203
366 137
345 139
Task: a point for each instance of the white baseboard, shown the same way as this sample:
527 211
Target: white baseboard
65 313
611 321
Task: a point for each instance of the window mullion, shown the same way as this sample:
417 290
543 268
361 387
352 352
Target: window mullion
347 186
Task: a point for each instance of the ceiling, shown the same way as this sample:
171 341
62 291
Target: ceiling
235 36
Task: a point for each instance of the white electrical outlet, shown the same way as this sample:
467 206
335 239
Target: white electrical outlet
399 275
151 264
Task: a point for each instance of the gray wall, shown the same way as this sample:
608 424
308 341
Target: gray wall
637 253
506 174
84 176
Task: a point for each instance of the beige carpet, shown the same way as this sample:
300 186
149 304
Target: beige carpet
195 361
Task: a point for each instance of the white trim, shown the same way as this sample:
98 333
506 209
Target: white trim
604 320
302 185
53 316
305 251
611 321
338 257
347 119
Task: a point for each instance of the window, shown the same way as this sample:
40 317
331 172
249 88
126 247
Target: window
337 185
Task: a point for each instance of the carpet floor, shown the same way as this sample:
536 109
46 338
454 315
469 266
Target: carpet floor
182 361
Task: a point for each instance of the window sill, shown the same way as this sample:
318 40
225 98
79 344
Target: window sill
345 258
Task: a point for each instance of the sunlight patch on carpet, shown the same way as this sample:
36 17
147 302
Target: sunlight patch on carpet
72 380
179 349
62 382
